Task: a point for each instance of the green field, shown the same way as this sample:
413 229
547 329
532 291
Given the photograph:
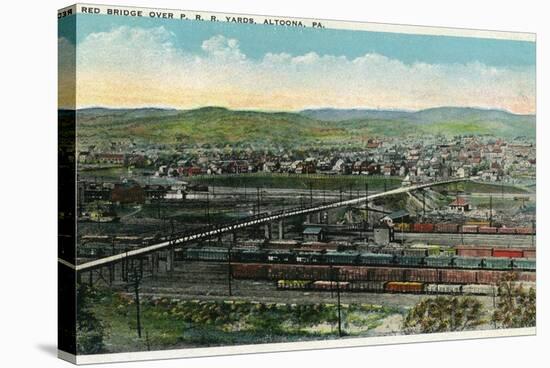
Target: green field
475 187
295 181
169 323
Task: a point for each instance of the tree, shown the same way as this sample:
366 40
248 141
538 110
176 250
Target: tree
90 331
516 306
444 314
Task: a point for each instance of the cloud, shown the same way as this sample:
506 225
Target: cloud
223 48
137 66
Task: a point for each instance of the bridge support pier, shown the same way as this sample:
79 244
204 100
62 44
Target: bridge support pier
318 217
308 218
281 230
267 231
170 260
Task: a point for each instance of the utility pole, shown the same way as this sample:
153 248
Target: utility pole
135 278
310 193
366 206
491 211
258 198
229 273
338 299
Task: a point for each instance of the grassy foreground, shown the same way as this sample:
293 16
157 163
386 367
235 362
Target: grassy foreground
171 323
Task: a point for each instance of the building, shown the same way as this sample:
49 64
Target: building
395 218
313 234
459 205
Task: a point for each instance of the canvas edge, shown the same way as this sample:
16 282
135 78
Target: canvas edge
358 25
294 346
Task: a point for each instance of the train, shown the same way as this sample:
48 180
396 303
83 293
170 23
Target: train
457 229
395 287
274 272
407 257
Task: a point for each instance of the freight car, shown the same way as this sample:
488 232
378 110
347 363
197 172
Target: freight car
468 258
466 229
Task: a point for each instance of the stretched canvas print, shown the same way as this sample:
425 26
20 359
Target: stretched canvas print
243 183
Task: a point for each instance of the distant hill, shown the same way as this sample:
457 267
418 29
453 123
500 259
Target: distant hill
219 126
444 120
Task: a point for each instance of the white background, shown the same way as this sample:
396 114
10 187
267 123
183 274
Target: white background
28 82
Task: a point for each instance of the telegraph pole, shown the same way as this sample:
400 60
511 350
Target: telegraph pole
135 278
258 198
491 211
229 273
338 299
366 206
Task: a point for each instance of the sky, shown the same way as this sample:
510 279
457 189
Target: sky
144 62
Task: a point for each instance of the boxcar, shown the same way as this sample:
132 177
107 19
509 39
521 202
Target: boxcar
479 289
529 253
489 277
438 261
251 255
310 257
506 230
404 287
497 263
249 271
487 230
341 257
446 228
409 260
524 230
469 228
468 262
371 286
421 275
330 285
375 259
386 274
354 273
458 276
281 256
416 251
422 228
507 252
474 251
527 276
449 289
524 264
293 284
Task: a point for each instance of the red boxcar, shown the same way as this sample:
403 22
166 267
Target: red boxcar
507 253
469 228
489 277
487 229
249 271
458 276
530 253
422 228
474 251
421 275
386 274
506 230
527 276
446 228
524 230
354 273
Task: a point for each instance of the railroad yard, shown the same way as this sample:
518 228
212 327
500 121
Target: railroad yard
365 267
